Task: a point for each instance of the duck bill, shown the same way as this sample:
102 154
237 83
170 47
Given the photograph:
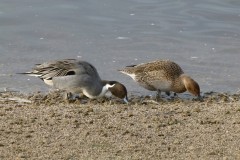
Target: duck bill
125 100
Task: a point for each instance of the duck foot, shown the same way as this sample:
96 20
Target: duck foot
71 96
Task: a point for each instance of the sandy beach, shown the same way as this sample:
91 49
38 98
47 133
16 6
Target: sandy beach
39 126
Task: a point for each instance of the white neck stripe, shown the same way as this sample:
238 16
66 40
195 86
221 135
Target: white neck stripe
109 86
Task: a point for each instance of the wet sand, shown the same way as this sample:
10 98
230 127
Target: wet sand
38 126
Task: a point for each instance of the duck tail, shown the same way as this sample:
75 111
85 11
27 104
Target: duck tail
29 74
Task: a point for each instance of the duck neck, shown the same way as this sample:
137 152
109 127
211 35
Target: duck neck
178 85
96 90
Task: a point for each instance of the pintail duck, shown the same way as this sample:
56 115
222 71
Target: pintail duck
76 77
162 75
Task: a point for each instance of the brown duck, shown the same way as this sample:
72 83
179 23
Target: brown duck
162 75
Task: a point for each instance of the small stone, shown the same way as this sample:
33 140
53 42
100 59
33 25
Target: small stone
90 122
86 134
225 158
90 110
197 110
28 136
161 135
105 134
130 115
21 155
212 153
191 148
126 132
176 141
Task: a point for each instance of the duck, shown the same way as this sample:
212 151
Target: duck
77 76
162 75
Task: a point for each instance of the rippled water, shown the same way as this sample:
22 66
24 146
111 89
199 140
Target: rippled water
201 36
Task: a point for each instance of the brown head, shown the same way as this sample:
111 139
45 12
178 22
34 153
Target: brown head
118 90
191 85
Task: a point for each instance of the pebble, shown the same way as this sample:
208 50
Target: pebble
191 148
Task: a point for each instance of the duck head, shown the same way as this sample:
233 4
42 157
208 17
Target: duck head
191 85
118 90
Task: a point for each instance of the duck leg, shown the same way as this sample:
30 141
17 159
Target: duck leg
158 95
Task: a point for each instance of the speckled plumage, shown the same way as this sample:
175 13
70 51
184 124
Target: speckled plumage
162 75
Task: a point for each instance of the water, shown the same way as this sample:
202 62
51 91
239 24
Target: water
202 37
